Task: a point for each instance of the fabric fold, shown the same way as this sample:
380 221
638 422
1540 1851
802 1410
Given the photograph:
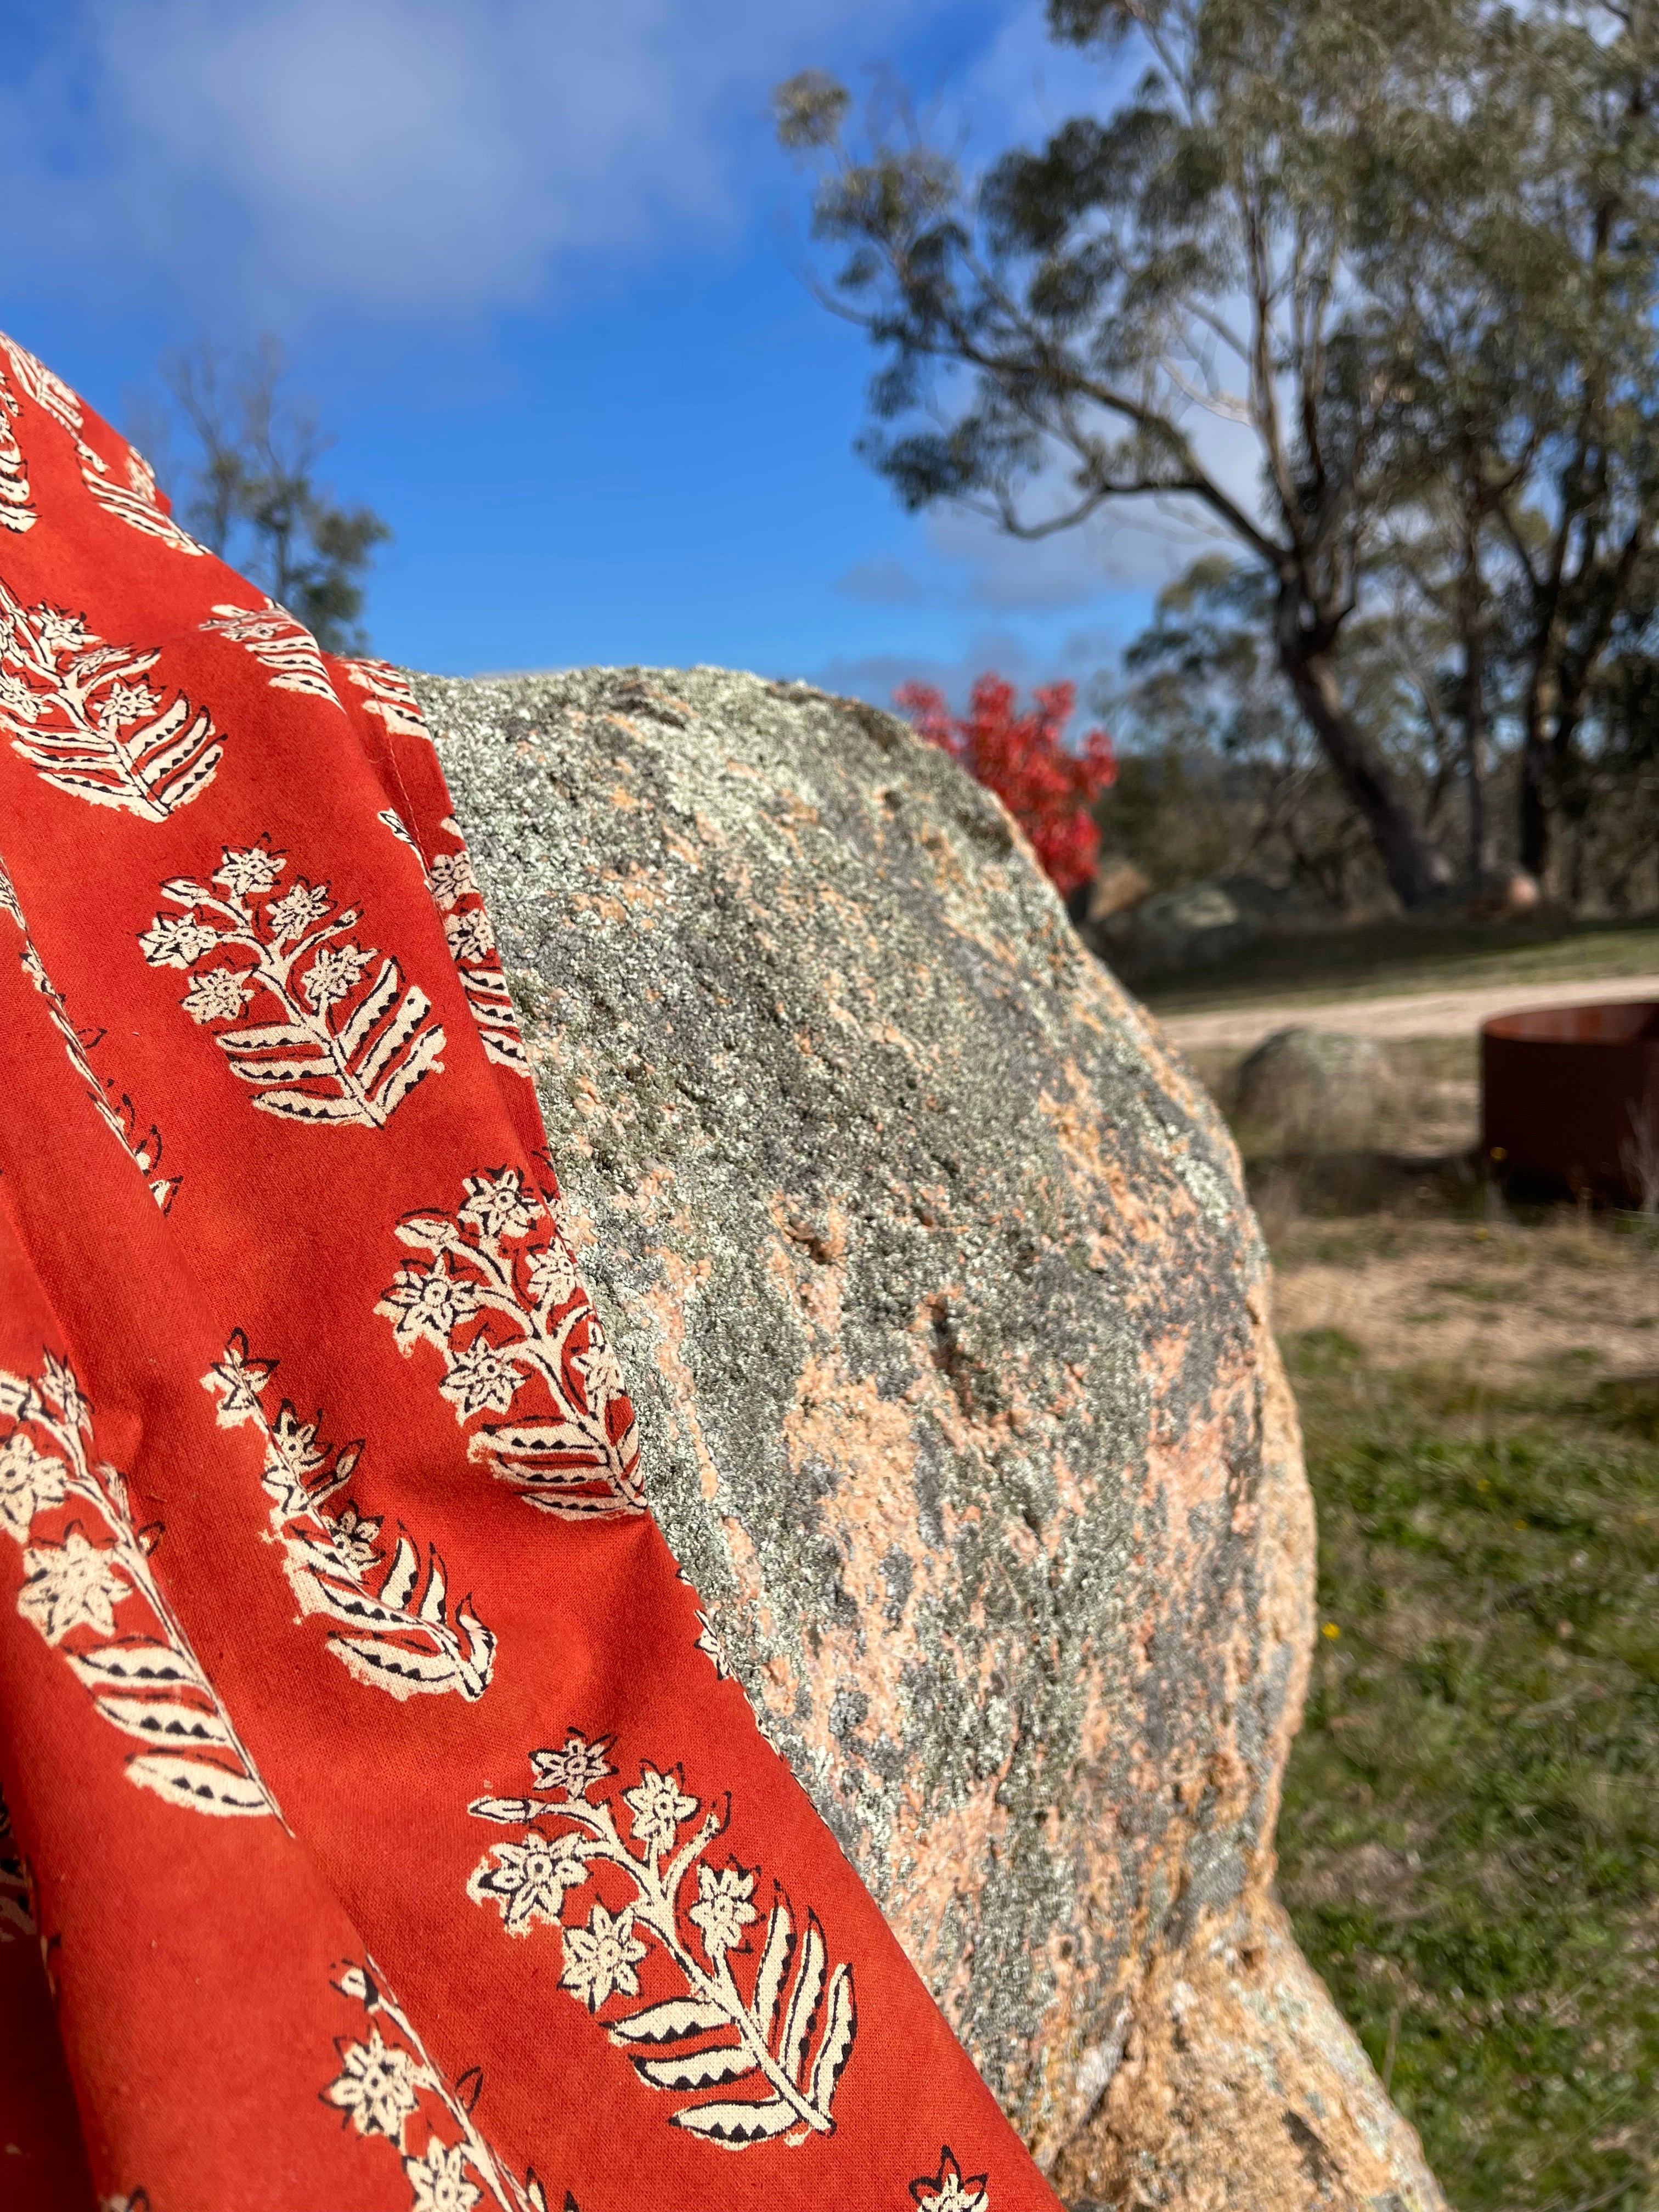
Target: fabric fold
384 1829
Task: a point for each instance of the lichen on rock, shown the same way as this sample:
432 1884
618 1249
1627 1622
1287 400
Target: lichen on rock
946 1321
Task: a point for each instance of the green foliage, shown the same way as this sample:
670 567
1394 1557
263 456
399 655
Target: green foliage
1411 247
254 496
1470 1838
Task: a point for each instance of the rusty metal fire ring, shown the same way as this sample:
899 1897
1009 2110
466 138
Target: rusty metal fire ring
1570 1100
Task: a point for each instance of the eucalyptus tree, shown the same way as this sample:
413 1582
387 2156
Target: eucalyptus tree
1401 245
255 494
1509 264
1187 255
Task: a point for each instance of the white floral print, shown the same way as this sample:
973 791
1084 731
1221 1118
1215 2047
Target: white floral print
278 642
659 1805
16 503
334 971
218 994
574 1769
89 1589
472 946
115 1110
31 1481
390 1624
529 1879
341 1049
72 1585
134 502
775 2049
502 1303
480 1379
386 2086
947 2192
292 914
389 696
722 1910
375 2086
599 1959
438 2180
75 709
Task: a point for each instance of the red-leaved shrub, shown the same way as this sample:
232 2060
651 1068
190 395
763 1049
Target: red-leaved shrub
1048 787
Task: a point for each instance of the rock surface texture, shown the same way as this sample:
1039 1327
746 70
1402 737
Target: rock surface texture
946 1321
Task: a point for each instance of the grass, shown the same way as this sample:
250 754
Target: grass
1384 959
1470 1838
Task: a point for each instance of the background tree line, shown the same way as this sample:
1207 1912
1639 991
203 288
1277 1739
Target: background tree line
1411 249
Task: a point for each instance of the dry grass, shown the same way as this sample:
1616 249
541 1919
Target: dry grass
1470 1836
1380 959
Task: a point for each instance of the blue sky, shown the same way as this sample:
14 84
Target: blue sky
543 270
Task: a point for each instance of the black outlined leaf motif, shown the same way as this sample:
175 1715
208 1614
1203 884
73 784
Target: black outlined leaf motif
89 1589
387 2086
278 641
775 2052
135 502
472 946
503 1302
393 1625
348 1044
143 1146
16 506
81 712
389 696
947 2191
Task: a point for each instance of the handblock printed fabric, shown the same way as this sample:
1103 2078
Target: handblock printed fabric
380 1827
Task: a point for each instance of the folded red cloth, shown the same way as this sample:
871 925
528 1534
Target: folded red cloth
382 1816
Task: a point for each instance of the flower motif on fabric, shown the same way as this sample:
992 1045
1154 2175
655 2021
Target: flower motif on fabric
472 946
501 1300
375 2086
665 1940
89 1589
349 1042
277 641
392 1624
81 712
387 2086
438 2180
947 2192
136 502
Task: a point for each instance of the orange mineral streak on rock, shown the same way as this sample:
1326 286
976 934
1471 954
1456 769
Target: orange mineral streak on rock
933 1275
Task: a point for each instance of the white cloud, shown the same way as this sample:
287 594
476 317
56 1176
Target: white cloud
413 154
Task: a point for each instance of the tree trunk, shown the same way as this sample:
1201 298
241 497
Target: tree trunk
1472 707
1533 824
1419 872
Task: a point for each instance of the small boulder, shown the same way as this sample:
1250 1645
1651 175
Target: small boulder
1322 1088
1118 886
1200 923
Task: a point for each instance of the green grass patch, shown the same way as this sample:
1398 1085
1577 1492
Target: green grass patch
1470 1838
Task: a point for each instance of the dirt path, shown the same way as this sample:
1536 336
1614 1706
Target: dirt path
1420 1014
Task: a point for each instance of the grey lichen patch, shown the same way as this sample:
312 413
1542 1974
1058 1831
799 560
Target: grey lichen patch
933 1278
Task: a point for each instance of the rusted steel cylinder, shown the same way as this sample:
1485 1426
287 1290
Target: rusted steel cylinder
1569 1099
